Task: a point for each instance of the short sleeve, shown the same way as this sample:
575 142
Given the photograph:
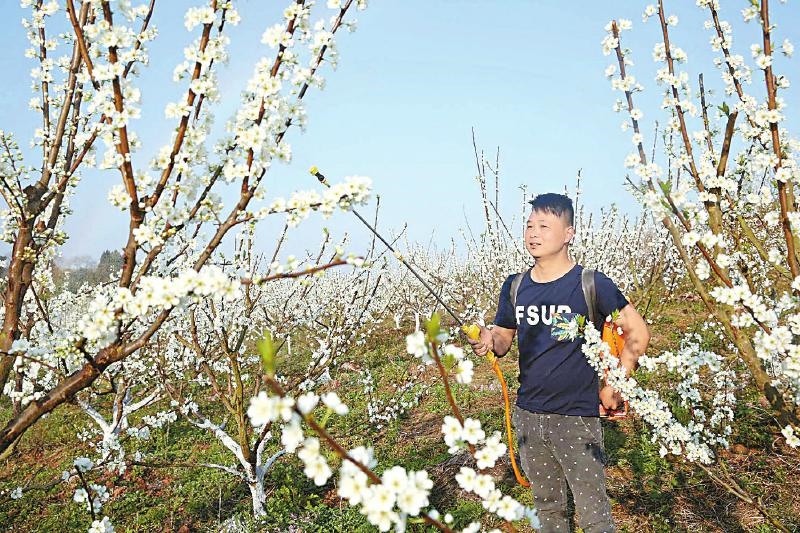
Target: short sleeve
505 311
609 297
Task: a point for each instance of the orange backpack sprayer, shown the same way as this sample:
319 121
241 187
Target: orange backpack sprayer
615 338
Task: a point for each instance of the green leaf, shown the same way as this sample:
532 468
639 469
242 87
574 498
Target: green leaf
324 422
266 347
433 326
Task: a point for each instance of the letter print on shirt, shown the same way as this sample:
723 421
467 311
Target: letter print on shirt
534 314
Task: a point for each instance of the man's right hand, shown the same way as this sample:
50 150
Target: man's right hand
484 344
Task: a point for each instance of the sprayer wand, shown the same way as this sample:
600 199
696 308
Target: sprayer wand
472 331
316 173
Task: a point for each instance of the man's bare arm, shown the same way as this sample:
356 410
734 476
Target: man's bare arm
502 339
637 337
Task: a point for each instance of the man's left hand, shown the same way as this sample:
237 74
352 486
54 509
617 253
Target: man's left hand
610 398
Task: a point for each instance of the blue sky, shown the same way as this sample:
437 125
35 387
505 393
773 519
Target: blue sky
412 82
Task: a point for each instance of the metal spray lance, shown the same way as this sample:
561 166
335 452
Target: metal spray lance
472 330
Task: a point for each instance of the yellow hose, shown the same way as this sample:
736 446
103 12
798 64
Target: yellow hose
473 332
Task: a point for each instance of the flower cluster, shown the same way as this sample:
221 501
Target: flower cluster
724 220
399 494
385 408
99 324
99 495
452 356
457 436
494 501
694 440
102 526
265 409
791 436
355 190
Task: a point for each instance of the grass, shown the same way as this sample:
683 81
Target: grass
649 493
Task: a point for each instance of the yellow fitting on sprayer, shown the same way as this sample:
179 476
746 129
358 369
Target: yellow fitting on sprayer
473 331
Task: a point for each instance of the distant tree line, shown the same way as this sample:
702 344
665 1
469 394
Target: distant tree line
68 277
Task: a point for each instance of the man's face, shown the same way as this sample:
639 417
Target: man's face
547 234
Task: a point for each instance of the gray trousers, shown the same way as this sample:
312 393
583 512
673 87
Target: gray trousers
556 450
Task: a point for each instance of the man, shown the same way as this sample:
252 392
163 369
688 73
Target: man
557 409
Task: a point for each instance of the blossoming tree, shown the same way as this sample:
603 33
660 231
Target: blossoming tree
209 353
725 193
177 219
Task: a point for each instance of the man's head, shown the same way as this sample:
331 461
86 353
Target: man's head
550 226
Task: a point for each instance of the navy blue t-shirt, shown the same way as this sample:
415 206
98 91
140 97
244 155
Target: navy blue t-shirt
554 375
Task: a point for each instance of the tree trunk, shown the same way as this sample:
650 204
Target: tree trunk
19 277
259 497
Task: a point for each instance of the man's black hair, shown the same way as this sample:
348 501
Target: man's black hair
555 204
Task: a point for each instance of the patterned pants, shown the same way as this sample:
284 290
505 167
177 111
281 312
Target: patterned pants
556 450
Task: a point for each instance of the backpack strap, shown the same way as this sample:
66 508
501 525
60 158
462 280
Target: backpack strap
514 289
590 295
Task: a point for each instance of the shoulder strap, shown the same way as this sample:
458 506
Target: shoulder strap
590 295
515 283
